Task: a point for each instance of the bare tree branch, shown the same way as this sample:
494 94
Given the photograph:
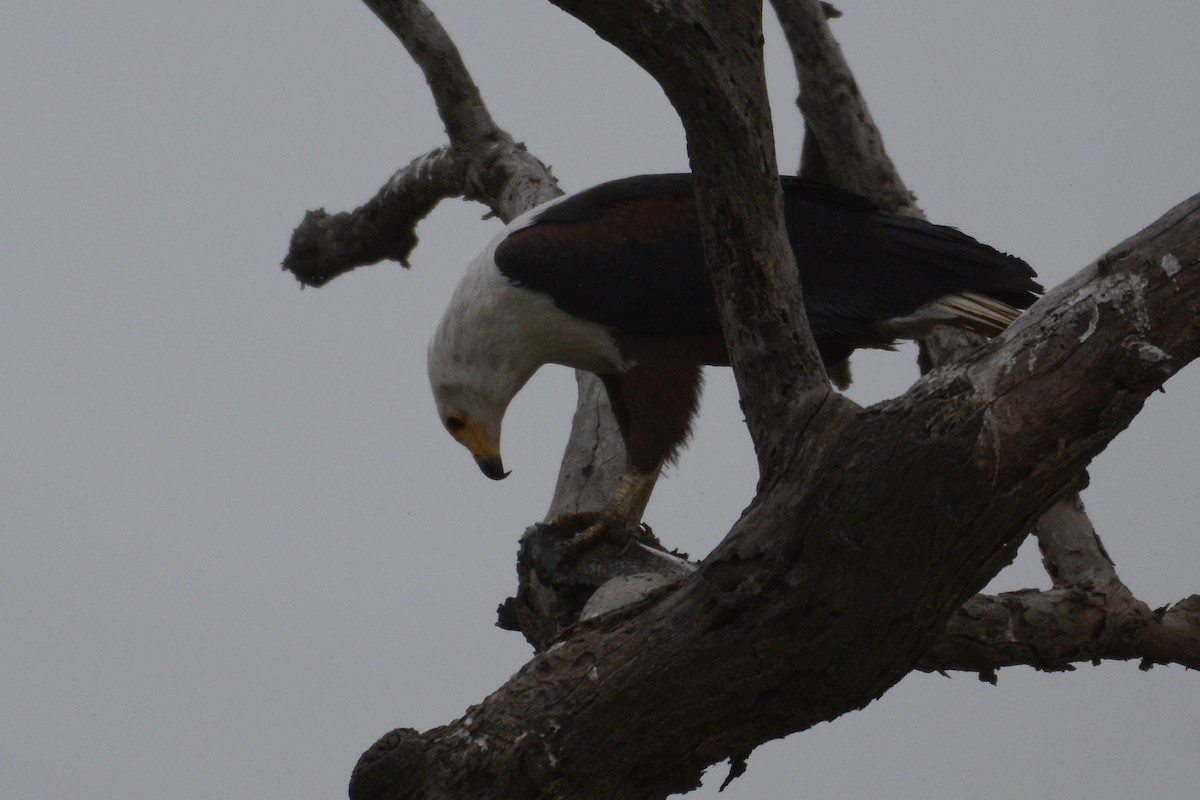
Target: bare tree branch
1055 629
838 124
1089 615
326 245
457 97
482 163
1071 550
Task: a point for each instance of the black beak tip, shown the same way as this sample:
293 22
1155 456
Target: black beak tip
493 468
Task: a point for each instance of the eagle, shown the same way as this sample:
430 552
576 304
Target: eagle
612 280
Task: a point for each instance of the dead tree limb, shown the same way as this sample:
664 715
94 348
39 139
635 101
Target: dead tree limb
842 144
482 162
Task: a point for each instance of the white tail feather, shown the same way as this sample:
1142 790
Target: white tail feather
967 310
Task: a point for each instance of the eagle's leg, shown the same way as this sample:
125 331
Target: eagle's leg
654 405
620 521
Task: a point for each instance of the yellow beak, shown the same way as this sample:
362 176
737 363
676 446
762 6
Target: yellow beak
484 449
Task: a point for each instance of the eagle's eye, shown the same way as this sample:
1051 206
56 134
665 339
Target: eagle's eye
454 423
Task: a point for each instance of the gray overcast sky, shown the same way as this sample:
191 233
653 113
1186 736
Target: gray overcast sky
237 546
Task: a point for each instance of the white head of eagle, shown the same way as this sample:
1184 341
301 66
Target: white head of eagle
613 281
492 337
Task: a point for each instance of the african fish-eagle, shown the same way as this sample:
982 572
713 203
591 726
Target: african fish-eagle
612 280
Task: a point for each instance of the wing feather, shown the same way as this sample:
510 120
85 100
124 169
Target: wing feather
627 254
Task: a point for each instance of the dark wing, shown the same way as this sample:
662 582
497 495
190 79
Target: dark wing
625 254
860 265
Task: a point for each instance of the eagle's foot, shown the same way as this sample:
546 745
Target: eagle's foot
586 529
620 522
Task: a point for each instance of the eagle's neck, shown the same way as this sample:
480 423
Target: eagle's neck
492 320
495 335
